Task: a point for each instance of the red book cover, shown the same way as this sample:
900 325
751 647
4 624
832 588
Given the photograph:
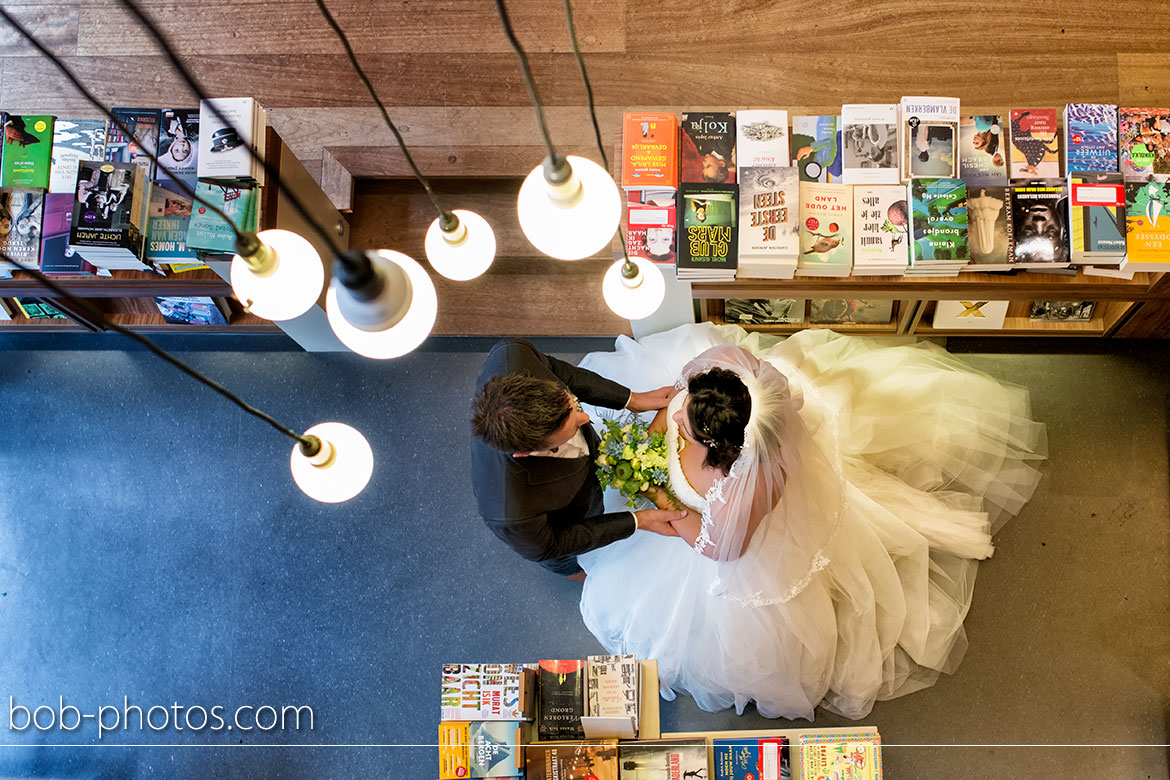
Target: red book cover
1035 144
706 148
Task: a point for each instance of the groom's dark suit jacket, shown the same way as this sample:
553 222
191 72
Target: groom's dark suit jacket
547 509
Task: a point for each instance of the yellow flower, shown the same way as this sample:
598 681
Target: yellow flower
627 453
637 464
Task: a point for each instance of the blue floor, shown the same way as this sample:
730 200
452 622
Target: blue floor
154 547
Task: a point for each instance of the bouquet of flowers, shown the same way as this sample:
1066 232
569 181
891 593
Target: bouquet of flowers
631 460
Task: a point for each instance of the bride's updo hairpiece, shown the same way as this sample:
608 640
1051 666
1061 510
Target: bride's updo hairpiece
719 409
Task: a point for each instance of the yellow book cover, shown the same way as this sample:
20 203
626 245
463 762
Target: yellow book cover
841 756
454 750
1147 222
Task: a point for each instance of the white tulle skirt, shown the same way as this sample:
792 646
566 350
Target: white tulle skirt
936 457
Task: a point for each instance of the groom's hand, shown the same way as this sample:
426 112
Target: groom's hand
658 521
651 400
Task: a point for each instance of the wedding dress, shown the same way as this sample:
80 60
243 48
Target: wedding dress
887 467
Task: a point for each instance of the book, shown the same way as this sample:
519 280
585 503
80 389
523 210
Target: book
881 223
224 146
938 225
109 213
826 225
1090 137
57 257
190 310
708 241
751 758
989 228
663 759
761 138
769 213
170 216
649 150
1096 205
178 147
28 151
834 311
143 124
74 140
487 692
969 315
1039 224
651 225
1035 149
20 226
816 148
1143 142
930 137
706 148
37 309
611 696
869 143
983 152
1147 225
480 749
764 311
207 231
562 699
841 756
1061 311
558 761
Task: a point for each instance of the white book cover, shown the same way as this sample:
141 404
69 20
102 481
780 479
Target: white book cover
880 226
929 127
74 140
869 141
223 149
762 138
769 213
970 315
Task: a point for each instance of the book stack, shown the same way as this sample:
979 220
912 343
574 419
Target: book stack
854 756
223 148
170 217
1096 216
826 224
1039 228
650 180
110 214
1147 216
938 227
881 227
769 214
708 211
483 708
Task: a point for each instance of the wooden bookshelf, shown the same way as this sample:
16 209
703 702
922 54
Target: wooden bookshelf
793 736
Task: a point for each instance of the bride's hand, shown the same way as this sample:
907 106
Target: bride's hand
651 400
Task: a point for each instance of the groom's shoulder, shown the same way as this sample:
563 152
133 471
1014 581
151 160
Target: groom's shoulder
512 355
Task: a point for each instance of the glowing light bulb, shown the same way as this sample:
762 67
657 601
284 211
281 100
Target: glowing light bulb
340 470
572 220
390 331
289 279
634 298
464 254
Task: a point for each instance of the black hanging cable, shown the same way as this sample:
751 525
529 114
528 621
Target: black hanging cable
273 174
528 82
448 221
310 445
585 78
110 115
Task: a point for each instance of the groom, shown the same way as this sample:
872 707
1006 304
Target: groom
532 457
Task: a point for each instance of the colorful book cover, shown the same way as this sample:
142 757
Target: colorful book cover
1096 202
989 225
881 224
769 213
1147 224
170 215
103 211
982 154
1144 142
207 231
708 238
762 138
816 148
37 309
480 749
612 686
21 219
930 137
969 315
28 151
651 225
178 146
663 759
826 227
143 124
1039 227
1035 144
869 141
592 760
1061 311
649 151
764 311
75 140
841 756
487 692
190 310
706 146
939 219
57 257
562 699
834 311
758 758
1090 137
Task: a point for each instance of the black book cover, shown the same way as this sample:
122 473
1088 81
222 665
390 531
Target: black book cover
706 148
1039 224
562 699
708 231
103 206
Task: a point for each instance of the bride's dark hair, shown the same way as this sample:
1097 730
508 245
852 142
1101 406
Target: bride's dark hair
718 413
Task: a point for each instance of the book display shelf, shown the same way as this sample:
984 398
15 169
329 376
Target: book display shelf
127 297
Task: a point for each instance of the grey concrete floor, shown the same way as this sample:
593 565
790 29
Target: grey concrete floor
154 547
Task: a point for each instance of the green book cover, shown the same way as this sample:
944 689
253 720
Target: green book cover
28 151
939 219
207 231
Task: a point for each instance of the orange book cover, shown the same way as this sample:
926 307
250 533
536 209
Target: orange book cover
649 151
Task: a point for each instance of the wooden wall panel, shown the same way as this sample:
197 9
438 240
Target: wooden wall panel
54 25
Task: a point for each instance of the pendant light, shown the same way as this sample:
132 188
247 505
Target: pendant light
277 274
633 288
335 465
381 304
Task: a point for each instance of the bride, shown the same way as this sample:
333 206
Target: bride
841 492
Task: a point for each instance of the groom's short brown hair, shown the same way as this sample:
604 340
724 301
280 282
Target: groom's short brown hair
518 413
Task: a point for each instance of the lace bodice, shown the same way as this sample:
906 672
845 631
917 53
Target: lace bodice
678 481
